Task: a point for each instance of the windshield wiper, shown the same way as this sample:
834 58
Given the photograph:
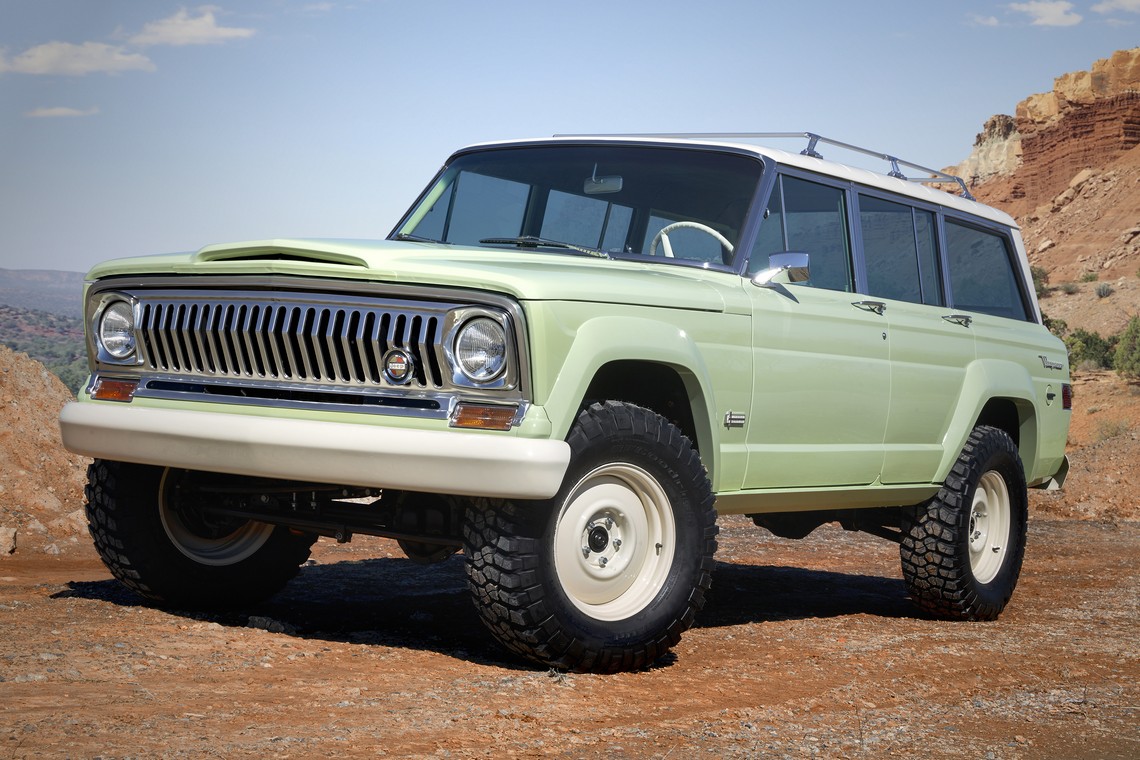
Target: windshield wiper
419 239
533 241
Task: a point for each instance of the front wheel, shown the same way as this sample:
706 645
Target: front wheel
164 546
607 574
962 551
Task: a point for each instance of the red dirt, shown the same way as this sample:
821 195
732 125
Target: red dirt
806 649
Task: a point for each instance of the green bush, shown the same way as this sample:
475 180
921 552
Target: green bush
1090 349
1068 288
1056 326
1040 281
1127 359
1103 290
1088 277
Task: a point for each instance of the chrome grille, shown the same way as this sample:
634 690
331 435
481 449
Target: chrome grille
301 341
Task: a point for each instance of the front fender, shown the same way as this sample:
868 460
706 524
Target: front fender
602 340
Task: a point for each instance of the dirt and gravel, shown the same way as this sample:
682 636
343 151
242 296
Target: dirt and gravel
806 649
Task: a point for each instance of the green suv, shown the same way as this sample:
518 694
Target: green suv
565 361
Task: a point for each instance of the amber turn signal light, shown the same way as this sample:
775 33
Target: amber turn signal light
484 416
114 390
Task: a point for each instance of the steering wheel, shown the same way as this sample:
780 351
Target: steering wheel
663 237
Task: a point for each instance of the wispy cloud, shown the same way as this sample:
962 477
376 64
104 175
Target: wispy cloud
76 60
977 20
185 29
71 59
1049 12
60 112
1111 6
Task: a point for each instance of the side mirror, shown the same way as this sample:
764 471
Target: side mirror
783 268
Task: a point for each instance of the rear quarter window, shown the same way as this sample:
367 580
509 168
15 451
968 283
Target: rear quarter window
982 275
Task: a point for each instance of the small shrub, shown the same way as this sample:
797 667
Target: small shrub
1068 288
1111 429
1127 354
1089 349
1040 281
1088 277
1094 409
1103 290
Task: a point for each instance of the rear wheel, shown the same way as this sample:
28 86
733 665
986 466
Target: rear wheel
166 548
607 574
962 551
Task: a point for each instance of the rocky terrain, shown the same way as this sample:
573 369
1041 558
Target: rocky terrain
806 648
41 484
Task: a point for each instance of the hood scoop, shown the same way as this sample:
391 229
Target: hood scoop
308 252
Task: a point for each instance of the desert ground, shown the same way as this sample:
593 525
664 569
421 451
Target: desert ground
806 649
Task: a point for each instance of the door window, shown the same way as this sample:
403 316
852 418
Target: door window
899 251
812 218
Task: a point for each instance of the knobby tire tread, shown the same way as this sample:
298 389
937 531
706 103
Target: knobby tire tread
935 541
121 507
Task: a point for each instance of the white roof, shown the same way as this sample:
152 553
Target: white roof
912 187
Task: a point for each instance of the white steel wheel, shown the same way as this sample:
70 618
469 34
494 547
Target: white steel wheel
614 542
208 543
989 526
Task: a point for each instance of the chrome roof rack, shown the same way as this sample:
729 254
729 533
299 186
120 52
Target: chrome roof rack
936 176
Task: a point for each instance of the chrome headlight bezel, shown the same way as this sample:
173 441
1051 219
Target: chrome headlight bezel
115 345
460 324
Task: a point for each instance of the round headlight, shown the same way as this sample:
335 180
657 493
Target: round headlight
481 350
117 330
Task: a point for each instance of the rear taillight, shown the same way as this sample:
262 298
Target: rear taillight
1066 396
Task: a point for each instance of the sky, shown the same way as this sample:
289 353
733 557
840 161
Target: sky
130 127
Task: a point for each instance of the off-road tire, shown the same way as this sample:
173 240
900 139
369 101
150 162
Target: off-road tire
124 515
983 502
541 606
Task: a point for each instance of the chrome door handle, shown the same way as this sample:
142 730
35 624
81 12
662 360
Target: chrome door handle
876 306
961 319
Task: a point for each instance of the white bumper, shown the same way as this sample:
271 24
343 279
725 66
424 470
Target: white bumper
452 462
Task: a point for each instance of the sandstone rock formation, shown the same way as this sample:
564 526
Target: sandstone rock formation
1089 119
997 151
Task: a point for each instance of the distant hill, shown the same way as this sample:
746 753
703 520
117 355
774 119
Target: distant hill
47 290
55 340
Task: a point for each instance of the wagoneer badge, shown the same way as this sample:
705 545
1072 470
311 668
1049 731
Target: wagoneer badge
398 366
1049 364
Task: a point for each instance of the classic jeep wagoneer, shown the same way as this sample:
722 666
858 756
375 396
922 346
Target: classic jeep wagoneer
567 358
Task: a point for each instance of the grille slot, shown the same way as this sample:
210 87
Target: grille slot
330 344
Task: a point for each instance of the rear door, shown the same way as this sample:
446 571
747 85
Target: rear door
930 349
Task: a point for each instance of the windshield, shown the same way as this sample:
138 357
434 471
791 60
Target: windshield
605 200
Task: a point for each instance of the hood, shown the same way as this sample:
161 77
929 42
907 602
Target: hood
523 275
